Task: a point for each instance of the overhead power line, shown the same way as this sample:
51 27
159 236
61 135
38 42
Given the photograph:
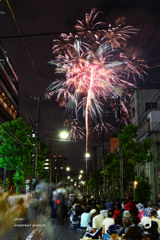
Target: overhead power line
29 55
74 31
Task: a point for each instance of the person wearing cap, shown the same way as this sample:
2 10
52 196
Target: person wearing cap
140 208
150 228
126 215
97 219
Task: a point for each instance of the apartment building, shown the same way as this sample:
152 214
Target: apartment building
145 113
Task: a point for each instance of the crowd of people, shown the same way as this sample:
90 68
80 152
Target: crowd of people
106 219
95 218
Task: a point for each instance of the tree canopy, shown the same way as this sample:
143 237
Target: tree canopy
16 146
132 152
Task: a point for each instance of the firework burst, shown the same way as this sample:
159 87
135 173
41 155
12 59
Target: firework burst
75 131
92 75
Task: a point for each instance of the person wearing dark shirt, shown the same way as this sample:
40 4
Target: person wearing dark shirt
117 203
134 233
117 227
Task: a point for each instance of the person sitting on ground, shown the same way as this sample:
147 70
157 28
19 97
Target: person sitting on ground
126 216
98 204
117 203
130 206
150 228
120 213
134 233
108 221
155 219
93 213
140 208
97 220
147 211
76 219
116 211
158 210
127 223
85 218
108 204
116 228
135 221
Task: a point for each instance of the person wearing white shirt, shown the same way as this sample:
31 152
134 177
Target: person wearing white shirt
97 221
108 221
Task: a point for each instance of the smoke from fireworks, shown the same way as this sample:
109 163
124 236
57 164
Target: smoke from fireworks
94 69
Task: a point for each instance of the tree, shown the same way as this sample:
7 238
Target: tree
143 191
16 149
133 153
95 181
133 150
112 174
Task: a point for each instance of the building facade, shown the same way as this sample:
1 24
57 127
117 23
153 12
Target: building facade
9 89
9 92
145 113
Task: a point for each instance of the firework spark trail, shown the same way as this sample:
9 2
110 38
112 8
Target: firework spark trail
93 69
87 112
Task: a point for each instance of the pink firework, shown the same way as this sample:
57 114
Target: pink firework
87 27
117 36
93 75
75 131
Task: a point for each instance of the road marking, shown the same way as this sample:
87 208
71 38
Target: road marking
31 234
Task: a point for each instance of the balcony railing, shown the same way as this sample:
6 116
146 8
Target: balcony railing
149 127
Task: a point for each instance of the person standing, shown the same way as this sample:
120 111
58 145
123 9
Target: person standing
59 201
131 206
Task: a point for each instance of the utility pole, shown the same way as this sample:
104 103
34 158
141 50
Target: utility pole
118 117
50 155
103 154
36 143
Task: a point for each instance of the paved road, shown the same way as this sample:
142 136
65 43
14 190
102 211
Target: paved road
46 230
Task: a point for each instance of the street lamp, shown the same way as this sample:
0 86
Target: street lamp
68 169
87 155
63 135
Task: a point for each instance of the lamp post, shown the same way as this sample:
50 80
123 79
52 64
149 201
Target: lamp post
63 135
87 155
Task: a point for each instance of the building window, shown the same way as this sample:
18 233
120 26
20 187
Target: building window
150 105
133 112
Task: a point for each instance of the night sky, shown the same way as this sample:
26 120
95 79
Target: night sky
35 17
